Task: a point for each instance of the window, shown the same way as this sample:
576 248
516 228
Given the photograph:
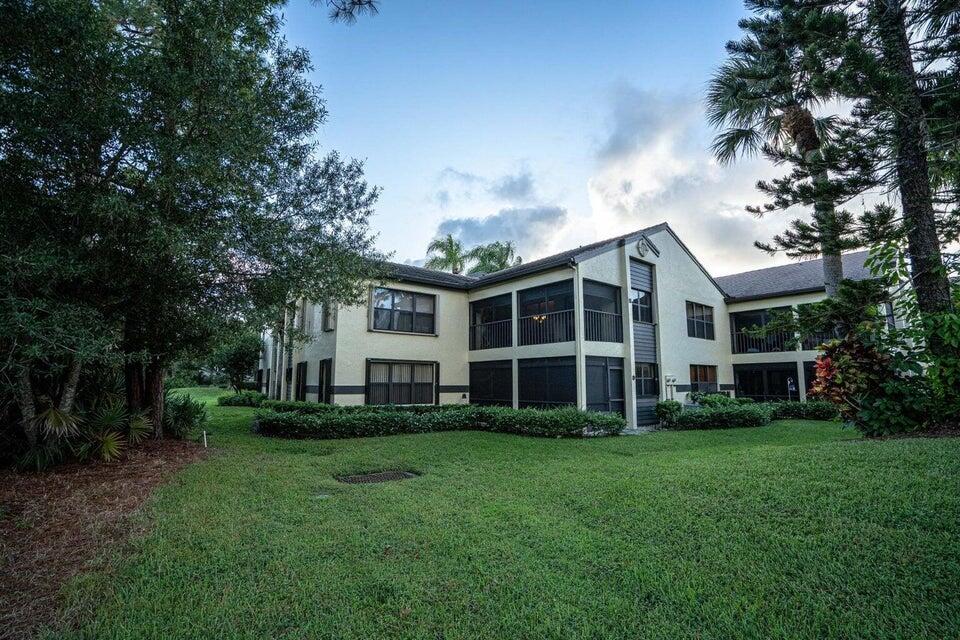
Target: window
699 321
301 389
401 382
490 325
325 381
406 311
605 384
327 317
491 383
547 382
647 382
703 377
889 315
641 305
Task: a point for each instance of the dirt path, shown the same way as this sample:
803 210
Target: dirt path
53 524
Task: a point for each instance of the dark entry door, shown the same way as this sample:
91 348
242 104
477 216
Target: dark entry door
605 382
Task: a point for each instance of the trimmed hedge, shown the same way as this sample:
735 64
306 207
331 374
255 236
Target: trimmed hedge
713 400
809 410
352 422
724 417
242 399
728 414
291 406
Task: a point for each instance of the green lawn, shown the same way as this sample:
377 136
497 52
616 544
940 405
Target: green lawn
797 530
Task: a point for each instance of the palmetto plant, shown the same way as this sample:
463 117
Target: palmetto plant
493 257
448 254
763 99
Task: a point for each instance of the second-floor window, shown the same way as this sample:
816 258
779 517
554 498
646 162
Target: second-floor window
405 311
641 305
700 321
327 317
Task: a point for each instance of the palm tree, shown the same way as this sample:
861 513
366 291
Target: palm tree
449 254
493 257
762 99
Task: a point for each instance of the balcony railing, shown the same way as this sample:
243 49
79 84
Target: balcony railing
745 343
602 326
813 342
556 326
490 335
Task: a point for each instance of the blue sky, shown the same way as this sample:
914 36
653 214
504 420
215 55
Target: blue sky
551 124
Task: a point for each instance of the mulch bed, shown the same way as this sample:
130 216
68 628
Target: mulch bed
54 524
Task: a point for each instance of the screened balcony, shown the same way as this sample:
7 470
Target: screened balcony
546 314
602 320
742 341
491 324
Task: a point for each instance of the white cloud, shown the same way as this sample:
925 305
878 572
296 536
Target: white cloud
654 165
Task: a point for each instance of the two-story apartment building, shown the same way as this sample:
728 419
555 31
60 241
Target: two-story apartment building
612 326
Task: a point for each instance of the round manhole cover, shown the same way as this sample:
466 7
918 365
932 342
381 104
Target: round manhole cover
380 476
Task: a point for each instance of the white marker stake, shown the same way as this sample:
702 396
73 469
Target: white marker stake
204 439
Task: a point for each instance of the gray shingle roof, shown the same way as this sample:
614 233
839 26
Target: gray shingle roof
409 273
798 277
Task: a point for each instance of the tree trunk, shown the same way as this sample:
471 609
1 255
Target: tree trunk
28 408
69 394
825 215
154 394
133 383
799 124
913 174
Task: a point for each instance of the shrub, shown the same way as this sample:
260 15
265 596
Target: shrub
713 400
809 410
288 406
182 415
350 422
869 392
242 399
726 417
668 412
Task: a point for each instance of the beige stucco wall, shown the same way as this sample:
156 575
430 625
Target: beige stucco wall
320 346
355 342
678 279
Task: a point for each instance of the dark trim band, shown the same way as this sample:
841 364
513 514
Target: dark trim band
454 388
346 389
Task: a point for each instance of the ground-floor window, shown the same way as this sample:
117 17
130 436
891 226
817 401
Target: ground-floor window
289 381
766 381
809 375
491 383
646 380
395 382
703 377
325 381
301 381
547 382
605 384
